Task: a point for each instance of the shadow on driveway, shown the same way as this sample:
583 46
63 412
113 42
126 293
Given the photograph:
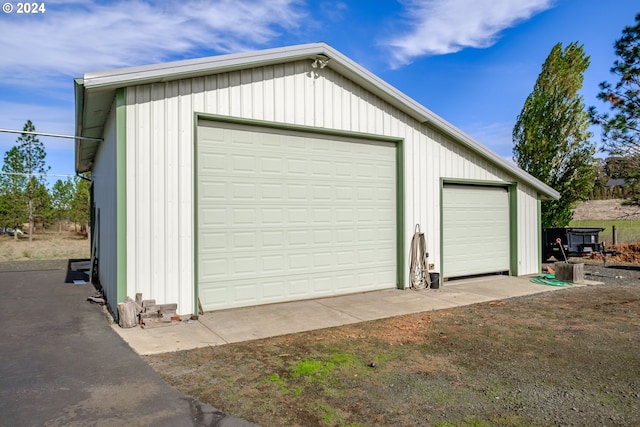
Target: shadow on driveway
62 365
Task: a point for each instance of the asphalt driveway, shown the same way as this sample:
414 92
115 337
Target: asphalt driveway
62 365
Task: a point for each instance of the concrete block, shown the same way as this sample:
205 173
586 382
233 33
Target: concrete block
569 272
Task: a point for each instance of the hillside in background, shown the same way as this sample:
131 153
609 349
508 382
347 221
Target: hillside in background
605 210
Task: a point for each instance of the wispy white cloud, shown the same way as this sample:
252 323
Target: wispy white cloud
334 11
446 26
42 53
497 135
56 119
74 37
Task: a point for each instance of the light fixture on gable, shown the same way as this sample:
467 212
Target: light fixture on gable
320 61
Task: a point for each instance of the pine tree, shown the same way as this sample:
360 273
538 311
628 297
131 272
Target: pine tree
621 129
24 169
13 201
33 154
80 204
551 136
61 198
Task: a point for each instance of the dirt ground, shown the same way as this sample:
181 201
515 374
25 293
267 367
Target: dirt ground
570 357
53 245
625 254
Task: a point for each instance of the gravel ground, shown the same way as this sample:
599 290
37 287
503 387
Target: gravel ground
564 358
34 265
613 274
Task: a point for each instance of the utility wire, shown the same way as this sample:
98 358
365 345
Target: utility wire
35 174
55 135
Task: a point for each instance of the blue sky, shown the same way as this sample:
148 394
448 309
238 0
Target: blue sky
473 62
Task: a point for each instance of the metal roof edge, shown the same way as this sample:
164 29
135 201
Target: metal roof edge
427 117
195 67
146 74
78 90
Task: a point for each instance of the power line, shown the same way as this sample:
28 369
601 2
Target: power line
55 135
36 174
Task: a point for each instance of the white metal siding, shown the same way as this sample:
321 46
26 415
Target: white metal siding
160 124
105 199
528 235
159 194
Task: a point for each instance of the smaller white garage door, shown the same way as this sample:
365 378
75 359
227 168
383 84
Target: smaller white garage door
475 230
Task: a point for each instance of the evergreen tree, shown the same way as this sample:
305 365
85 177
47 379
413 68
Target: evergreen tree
80 204
13 183
41 207
33 154
621 124
600 184
551 136
23 179
61 198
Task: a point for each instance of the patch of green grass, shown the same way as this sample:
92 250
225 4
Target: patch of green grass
441 397
627 231
313 369
383 357
342 359
333 417
319 370
296 391
328 415
276 379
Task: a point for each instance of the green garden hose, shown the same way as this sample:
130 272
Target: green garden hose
549 280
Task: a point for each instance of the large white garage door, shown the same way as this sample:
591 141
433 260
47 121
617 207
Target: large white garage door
475 230
286 215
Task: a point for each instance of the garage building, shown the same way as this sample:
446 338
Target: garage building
286 174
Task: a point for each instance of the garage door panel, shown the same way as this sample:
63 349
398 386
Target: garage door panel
475 230
295 239
222 239
321 237
271 191
272 288
292 216
243 190
271 165
346 258
297 166
211 269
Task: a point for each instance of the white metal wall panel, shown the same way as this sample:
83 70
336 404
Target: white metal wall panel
105 200
291 93
288 215
528 233
475 228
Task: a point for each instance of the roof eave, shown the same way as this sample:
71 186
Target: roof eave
157 73
425 116
78 87
114 79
